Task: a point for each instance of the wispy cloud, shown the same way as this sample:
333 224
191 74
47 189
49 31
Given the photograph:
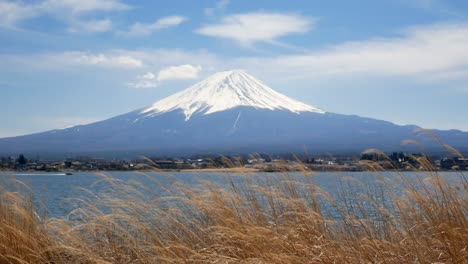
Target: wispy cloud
428 53
250 28
12 13
44 123
4 133
66 121
141 60
63 60
142 29
219 7
419 51
92 26
107 60
423 3
71 12
81 6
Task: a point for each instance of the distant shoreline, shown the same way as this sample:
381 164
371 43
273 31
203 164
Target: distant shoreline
208 170
237 170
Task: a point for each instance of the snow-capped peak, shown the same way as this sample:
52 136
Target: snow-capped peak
226 90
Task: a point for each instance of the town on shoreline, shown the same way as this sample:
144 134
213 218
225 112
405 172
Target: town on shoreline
243 163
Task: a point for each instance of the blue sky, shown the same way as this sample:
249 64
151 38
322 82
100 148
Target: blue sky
68 62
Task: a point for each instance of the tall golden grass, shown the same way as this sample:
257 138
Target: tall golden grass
282 219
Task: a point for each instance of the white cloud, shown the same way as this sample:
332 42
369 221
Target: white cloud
151 80
145 81
219 7
149 76
141 29
126 61
249 28
185 71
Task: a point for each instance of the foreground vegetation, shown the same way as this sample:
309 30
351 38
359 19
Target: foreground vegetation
283 219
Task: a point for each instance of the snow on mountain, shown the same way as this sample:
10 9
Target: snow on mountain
226 90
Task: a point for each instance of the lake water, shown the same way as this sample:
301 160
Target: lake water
52 191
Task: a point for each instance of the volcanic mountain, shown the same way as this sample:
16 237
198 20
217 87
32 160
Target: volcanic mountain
229 112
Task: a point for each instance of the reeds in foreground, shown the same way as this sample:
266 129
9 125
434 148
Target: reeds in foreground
250 219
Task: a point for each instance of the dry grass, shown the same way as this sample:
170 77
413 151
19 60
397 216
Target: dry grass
281 219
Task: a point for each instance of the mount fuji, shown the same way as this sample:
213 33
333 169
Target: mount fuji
229 112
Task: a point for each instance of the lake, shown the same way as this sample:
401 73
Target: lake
56 194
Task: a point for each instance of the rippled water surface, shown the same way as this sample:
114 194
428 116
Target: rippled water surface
55 193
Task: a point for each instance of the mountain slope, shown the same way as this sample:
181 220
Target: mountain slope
230 112
226 90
